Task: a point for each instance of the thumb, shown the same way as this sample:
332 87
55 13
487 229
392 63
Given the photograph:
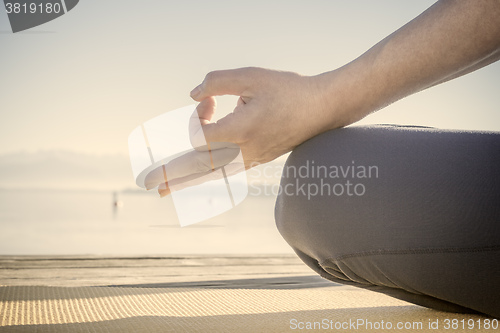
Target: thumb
225 82
201 118
224 133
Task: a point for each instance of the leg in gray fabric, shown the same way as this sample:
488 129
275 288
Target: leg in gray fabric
410 212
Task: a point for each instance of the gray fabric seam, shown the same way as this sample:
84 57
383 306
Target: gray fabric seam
412 251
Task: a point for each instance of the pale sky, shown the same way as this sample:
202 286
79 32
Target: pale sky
84 81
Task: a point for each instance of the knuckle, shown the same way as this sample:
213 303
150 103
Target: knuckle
255 69
254 72
211 77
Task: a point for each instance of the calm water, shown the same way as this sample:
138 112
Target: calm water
85 222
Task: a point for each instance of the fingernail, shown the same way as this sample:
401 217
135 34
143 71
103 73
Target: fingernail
163 190
163 193
195 91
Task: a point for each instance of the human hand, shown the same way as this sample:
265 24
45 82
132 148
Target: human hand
276 112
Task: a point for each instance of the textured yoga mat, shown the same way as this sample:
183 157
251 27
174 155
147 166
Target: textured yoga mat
118 309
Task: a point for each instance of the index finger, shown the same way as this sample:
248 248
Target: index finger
225 82
190 164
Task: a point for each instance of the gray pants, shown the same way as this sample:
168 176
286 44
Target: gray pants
410 212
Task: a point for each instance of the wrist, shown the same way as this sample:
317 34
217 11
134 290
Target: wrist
347 94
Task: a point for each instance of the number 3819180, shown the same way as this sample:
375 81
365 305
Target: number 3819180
32 8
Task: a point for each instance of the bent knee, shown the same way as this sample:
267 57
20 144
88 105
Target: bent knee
318 199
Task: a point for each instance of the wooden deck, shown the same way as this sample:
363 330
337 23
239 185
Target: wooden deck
159 271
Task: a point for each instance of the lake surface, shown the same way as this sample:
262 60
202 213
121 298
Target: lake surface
86 222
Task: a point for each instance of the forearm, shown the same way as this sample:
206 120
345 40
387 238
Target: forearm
450 39
485 62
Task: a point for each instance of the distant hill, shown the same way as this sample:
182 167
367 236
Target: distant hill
65 170
71 170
